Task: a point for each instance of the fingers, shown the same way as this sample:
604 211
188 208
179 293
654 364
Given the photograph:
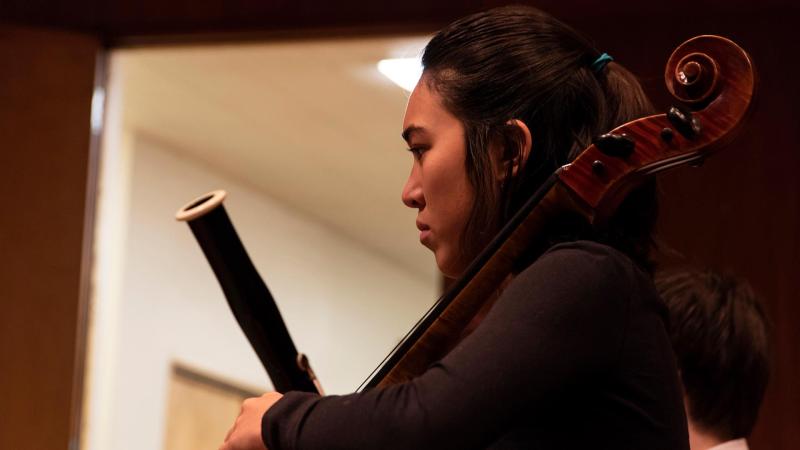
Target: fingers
228 435
246 430
225 444
248 403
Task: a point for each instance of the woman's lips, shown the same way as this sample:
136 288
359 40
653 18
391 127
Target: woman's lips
424 235
424 231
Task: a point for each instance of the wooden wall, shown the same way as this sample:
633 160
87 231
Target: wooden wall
740 211
46 83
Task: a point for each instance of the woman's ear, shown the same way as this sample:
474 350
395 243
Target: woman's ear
510 152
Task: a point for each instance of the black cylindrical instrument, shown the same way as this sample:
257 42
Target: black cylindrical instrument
247 294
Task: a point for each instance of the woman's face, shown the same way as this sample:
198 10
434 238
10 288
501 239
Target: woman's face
438 186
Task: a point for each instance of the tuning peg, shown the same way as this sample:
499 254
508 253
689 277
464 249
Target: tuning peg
616 145
684 122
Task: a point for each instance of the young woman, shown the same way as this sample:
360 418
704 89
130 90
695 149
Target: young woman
574 352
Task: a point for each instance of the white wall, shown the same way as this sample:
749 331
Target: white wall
157 300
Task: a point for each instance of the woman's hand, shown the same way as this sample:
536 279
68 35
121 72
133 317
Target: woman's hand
246 431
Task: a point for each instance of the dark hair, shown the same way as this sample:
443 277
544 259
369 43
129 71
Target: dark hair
719 334
520 63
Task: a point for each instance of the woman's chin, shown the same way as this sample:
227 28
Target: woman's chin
448 266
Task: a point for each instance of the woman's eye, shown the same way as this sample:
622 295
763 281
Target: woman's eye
417 151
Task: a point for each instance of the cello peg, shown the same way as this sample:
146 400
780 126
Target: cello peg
616 145
684 122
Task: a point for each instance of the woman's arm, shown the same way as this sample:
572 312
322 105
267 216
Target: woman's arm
560 320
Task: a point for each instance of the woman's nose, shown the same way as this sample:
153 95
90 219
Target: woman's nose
412 191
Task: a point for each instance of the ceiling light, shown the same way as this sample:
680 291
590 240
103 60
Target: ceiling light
404 72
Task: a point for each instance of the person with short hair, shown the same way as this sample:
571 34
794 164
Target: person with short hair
719 332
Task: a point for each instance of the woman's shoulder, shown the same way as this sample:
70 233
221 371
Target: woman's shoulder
575 298
582 268
583 257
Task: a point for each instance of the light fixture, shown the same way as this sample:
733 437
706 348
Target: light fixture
404 72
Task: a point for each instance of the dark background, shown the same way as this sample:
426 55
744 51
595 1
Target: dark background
740 212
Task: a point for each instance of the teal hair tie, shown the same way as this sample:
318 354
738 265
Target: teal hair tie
600 63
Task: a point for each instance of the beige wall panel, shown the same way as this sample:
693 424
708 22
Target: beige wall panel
201 410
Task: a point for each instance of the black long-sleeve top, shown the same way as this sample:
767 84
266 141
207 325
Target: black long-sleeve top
574 354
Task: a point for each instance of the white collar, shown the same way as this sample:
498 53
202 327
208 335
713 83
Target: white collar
736 444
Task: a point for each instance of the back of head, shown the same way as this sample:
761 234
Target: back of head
520 63
719 334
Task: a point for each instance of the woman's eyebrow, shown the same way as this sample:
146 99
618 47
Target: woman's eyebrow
412 129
